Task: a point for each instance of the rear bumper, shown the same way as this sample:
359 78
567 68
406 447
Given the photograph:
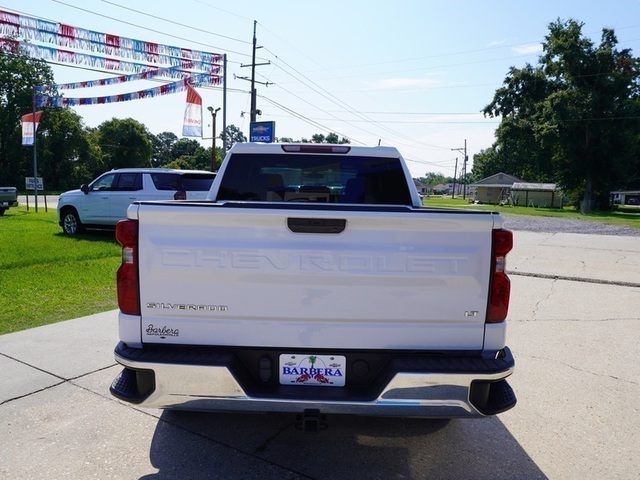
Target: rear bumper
406 385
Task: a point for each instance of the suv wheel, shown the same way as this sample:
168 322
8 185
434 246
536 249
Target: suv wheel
71 224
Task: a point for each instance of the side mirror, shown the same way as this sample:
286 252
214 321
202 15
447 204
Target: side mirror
84 188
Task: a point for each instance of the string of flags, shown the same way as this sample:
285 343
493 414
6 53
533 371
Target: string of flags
53 33
146 75
68 44
44 100
105 63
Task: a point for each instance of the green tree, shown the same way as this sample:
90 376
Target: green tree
184 147
435 178
333 138
125 143
573 118
18 75
161 145
64 150
232 134
91 161
316 138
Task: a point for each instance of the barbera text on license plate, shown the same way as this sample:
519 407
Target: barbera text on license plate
316 370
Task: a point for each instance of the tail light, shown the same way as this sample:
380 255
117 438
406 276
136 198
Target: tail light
499 284
128 285
315 148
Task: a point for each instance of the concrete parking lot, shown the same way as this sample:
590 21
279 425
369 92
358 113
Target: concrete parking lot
573 328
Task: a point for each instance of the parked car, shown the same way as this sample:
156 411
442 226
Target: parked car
8 198
104 202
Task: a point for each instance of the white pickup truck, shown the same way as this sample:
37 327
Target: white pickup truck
313 281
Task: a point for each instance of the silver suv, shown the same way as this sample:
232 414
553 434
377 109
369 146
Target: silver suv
104 202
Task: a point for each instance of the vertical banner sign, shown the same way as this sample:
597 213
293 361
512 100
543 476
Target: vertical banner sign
192 126
28 130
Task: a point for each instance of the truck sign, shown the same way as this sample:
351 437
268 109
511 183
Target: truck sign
264 132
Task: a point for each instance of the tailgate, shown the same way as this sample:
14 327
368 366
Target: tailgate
213 275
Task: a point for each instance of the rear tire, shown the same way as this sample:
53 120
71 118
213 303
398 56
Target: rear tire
71 224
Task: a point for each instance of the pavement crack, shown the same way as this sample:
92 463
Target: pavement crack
598 281
92 372
254 454
582 370
264 445
62 381
32 366
551 292
581 320
9 400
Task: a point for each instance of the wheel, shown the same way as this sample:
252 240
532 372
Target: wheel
2 211
71 224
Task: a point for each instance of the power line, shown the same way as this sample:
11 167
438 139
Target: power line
308 120
147 28
332 98
309 83
419 122
175 23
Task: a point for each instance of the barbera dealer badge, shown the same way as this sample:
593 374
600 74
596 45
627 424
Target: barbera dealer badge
316 370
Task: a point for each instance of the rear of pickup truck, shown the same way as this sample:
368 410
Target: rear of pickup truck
8 198
313 305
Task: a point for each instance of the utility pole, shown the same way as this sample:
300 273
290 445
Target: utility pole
253 74
224 104
254 110
455 172
213 128
35 153
464 167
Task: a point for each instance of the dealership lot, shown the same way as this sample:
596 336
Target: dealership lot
573 328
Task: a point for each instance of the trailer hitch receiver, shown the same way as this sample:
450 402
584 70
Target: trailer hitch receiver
311 421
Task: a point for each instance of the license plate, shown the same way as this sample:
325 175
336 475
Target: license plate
316 370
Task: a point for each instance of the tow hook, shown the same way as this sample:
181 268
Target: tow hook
311 421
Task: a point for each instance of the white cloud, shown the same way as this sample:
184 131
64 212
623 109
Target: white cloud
527 49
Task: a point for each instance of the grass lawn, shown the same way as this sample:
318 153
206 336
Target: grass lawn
47 276
627 218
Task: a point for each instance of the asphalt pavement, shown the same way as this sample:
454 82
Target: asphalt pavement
573 329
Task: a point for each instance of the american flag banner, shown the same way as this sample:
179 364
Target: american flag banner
44 100
33 29
28 128
192 126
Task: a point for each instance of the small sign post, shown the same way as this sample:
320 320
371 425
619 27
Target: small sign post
30 184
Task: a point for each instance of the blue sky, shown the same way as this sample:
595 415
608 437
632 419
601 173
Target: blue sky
411 74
